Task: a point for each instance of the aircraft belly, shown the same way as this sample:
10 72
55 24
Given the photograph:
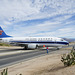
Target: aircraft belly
50 45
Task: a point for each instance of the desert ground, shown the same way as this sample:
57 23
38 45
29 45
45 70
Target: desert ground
47 64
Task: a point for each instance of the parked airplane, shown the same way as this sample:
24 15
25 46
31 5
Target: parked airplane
32 42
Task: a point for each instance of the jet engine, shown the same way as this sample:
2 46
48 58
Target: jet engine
31 46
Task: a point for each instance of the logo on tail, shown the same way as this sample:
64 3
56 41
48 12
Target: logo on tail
1 32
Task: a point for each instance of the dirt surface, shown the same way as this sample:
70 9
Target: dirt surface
49 64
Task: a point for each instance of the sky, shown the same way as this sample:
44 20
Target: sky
38 18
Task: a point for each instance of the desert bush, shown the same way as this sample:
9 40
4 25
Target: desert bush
4 72
4 44
68 59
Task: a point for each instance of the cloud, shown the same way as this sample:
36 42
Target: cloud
29 9
38 17
67 32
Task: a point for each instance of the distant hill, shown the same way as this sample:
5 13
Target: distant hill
69 39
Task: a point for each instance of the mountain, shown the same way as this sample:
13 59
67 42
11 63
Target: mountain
69 39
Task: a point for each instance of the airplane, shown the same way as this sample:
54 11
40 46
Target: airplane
32 42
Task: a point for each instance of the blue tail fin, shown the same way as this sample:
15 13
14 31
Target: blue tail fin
3 34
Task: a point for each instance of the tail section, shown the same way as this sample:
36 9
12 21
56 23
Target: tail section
3 34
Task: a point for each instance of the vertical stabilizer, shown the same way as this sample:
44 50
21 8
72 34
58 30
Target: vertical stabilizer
3 34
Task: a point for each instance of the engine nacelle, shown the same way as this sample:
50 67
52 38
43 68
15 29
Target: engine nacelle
32 46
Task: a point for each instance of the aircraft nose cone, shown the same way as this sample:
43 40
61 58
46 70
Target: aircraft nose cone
67 43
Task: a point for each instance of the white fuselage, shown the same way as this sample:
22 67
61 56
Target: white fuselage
32 42
37 41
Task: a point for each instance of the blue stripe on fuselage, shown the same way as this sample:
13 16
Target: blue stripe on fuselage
47 42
